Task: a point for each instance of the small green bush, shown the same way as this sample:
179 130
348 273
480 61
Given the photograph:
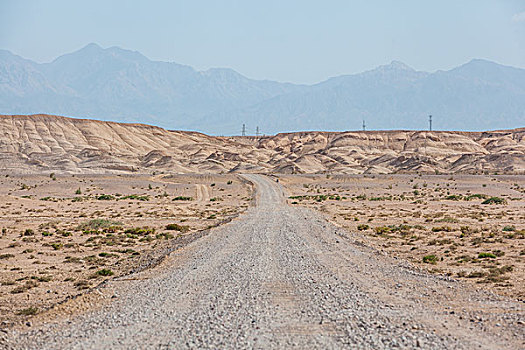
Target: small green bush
442 229
105 272
105 197
97 224
454 197
140 231
363 227
381 230
28 312
494 200
56 246
28 232
486 255
430 259
177 227
182 198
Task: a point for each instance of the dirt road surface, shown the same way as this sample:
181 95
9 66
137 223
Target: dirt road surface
283 277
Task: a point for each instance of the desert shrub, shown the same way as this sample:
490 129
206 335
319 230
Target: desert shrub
136 197
72 260
440 241
164 235
24 288
97 224
442 229
107 255
476 196
28 312
494 200
83 284
28 232
78 191
454 197
6 256
465 230
363 227
403 229
379 230
498 253
448 219
182 198
177 227
105 197
141 231
42 278
486 255
509 228
430 259
516 235
56 246
105 272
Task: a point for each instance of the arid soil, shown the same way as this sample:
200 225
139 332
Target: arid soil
43 143
468 227
64 234
281 277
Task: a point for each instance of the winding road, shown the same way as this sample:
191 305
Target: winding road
282 277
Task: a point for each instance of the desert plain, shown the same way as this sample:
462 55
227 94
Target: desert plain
62 235
470 227
385 239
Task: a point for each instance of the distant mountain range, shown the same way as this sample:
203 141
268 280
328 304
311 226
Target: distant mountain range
122 85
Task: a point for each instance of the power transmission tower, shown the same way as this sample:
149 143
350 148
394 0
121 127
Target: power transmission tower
244 130
257 131
430 122
364 126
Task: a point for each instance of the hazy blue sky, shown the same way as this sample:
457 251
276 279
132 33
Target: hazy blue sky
296 40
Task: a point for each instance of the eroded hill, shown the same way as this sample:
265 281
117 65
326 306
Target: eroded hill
59 144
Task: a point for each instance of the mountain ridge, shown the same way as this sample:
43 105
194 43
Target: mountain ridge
124 85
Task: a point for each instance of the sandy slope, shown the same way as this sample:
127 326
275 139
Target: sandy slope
59 144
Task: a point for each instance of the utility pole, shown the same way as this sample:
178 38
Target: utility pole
364 125
257 132
244 130
430 121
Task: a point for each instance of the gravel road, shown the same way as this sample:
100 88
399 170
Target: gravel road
283 277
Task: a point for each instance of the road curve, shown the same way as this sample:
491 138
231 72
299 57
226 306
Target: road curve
283 277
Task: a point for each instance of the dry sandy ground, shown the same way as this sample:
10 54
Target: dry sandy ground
437 222
64 234
279 277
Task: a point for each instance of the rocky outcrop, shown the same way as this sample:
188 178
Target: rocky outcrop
40 143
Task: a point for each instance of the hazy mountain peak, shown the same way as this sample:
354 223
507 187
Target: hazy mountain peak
92 47
395 66
93 52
